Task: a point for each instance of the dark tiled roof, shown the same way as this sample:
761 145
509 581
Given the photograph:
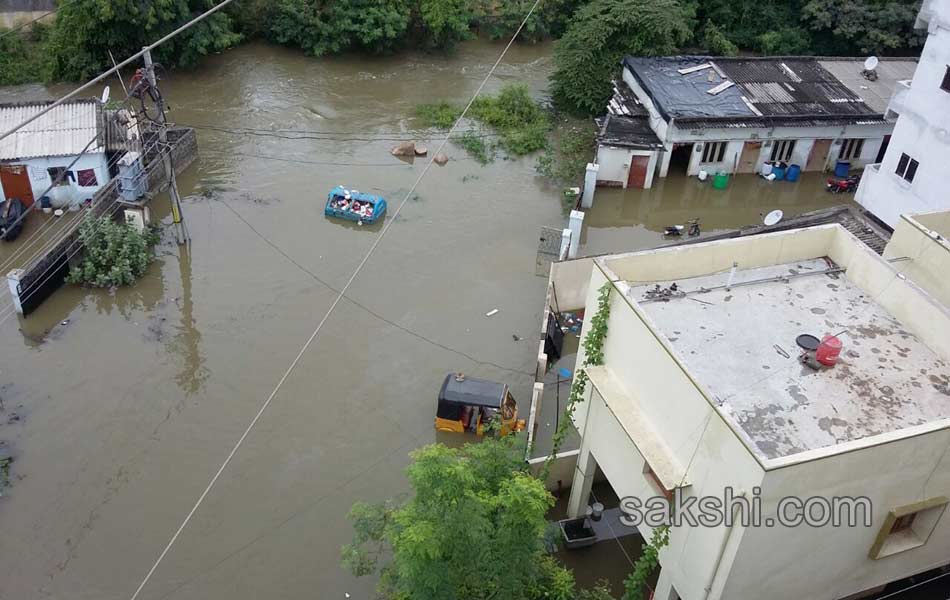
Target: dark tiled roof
630 132
793 91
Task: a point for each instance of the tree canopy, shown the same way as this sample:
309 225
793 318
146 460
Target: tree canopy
86 30
474 528
602 32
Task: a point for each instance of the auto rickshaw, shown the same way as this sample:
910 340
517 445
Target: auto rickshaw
470 404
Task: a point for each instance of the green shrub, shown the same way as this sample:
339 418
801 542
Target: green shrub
442 115
475 145
521 124
114 253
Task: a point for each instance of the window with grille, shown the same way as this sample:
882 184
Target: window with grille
850 149
714 152
907 168
782 150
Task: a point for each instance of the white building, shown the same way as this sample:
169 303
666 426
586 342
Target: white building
32 157
734 114
705 390
912 175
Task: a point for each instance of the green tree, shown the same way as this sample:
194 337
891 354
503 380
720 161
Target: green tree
602 32
334 26
86 30
743 21
716 41
441 24
865 26
473 529
114 253
785 41
22 58
549 19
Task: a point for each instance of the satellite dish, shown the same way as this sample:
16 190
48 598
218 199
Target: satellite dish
105 95
870 63
773 218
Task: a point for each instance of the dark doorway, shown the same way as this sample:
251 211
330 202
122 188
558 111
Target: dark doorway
679 158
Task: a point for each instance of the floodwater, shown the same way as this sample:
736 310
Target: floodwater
624 220
126 402
129 401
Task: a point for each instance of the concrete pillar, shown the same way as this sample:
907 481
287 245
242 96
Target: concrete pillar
590 184
665 162
565 249
582 482
575 223
13 280
651 169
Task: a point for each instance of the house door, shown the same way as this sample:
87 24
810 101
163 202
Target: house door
748 160
15 180
818 157
883 149
638 171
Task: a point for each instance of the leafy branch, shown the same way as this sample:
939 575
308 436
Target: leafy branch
594 346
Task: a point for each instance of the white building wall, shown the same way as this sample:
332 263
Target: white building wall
40 179
922 132
827 563
893 470
615 161
657 123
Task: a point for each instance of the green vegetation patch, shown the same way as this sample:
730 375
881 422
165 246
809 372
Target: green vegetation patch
519 124
114 253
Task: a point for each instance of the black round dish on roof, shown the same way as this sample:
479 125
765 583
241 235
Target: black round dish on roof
807 342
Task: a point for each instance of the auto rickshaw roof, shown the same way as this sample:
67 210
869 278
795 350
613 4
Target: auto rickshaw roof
472 391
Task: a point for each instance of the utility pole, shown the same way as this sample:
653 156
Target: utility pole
180 230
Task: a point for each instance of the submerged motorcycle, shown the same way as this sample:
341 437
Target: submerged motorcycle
691 228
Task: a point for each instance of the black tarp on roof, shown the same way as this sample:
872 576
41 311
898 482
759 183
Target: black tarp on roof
677 96
768 91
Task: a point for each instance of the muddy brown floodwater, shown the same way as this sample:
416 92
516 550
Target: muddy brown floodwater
130 401
126 403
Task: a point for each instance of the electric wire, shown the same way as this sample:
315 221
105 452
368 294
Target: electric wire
39 18
319 327
365 308
53 183
118 67
35 236
111 208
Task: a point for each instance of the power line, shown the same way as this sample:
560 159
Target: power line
365 308
34 237
302 134
319 327
39 18
112 208
306 162
118 67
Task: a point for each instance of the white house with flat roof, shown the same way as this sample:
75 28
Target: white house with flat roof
912 175
689 114
703 388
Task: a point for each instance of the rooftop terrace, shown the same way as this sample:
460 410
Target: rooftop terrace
739 344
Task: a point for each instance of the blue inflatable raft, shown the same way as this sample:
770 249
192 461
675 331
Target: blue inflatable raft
354 206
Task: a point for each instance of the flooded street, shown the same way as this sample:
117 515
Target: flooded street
625 220
128 402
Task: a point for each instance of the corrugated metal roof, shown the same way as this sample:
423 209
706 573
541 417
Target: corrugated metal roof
63 131
875 94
